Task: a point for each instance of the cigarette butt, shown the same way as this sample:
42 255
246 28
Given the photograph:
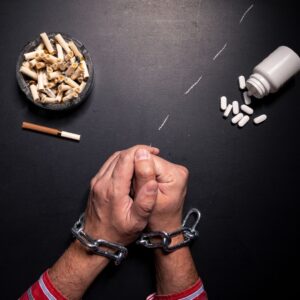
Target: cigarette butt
51 131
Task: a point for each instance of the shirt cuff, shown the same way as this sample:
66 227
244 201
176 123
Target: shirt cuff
194 292
43 289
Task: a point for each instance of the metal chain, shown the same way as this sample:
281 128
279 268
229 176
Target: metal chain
189 234
118 253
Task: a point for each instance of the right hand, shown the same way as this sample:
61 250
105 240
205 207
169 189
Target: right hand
172 186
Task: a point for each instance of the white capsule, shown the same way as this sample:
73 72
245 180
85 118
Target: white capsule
237 118
243 121
223 102
260 119
227 110
242 82
247 109
235 107
247 98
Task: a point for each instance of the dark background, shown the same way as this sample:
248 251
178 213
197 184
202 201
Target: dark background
146 54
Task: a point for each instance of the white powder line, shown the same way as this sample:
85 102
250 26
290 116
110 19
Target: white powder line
193 85
215 57
246 12
164 122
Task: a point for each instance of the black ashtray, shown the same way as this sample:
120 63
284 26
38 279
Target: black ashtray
23 81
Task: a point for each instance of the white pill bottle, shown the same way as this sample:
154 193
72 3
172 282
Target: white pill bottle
269 75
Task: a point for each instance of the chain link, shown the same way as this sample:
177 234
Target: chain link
118 252
189 234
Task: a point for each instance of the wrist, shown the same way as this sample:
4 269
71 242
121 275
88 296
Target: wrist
166 226
85 257
175 271
75 270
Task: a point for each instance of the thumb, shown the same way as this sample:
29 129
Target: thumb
144 169
144 201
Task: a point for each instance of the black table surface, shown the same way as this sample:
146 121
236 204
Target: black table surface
146 55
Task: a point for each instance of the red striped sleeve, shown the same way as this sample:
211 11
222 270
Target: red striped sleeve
42 289
195 292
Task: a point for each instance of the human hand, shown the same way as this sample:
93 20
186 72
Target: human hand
172 186
111 214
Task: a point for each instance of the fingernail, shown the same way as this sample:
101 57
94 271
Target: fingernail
142 154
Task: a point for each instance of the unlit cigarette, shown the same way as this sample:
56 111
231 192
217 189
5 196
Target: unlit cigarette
47 42
51 131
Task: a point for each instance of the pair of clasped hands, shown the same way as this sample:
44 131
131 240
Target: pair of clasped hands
112 214
159 189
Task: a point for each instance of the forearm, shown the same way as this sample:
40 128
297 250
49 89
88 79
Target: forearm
75 271
175 271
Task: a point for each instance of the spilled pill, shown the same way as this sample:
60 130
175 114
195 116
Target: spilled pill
259 119
235 107
223 102
247 98
248 110
227 110
237 118
243 121
242 82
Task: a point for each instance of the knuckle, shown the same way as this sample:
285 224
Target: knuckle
183 171
125 157
116 153
92 183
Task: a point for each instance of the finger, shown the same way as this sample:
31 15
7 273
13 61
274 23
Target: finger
144 201
107 163
144 169
167 172
104 167
162 169
123 172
